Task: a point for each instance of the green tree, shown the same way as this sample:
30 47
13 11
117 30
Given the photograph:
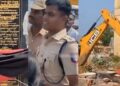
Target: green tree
106 38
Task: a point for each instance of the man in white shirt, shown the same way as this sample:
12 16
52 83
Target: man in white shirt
26 26
72 27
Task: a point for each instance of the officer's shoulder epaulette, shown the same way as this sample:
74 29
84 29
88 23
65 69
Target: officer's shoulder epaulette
69 39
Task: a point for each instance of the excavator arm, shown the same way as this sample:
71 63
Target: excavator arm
111 21
88 41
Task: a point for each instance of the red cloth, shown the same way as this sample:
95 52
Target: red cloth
8 51
5 78
118 71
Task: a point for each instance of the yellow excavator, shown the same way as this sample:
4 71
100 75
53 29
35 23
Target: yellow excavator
88 41
74 2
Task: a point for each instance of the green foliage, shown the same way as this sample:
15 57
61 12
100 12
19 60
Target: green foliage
106 38
115 59
104 63
99 61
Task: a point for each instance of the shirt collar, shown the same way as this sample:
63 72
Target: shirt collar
60 34
43 32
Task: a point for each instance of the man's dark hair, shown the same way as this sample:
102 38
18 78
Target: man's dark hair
63 5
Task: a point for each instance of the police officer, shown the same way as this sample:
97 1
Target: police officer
35 31
35 34
54 73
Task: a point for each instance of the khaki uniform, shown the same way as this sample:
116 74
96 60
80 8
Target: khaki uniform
33 45
49 50
35 41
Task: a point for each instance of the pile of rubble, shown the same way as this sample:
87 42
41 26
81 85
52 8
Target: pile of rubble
102 78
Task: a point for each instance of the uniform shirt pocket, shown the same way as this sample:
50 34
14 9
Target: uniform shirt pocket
52 67
50 61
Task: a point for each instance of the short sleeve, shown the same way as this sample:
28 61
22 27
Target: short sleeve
70 58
